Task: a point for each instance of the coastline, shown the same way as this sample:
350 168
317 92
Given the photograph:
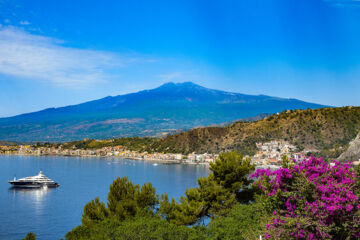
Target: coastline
155 160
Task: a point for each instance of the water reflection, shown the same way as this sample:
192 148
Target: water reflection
35 197
34 193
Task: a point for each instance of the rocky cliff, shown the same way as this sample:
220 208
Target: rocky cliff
353 151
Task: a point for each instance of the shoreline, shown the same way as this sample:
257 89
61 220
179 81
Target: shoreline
162 161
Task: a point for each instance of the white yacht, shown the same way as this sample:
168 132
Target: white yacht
37 181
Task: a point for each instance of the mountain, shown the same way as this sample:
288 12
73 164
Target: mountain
155 112
327 130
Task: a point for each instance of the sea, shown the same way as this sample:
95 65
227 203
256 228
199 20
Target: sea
52 212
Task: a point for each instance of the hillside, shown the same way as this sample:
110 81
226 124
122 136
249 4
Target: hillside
166 109
6 143
353 151
328 130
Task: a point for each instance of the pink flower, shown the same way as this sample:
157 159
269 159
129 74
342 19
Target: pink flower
325 196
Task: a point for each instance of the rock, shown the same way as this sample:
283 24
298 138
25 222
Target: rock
353 151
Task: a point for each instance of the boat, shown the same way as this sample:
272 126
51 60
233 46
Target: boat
37 181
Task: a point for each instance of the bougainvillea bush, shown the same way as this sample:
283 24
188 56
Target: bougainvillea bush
311 199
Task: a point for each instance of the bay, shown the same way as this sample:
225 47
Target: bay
51 213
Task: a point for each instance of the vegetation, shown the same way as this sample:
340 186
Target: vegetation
312 200
6 143
223 188
139 227
245 221
309 199
130 143
138 213
326 130
30 236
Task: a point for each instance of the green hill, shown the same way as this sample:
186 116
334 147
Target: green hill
328 130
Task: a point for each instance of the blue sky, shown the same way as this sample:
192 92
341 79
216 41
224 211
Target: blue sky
56 53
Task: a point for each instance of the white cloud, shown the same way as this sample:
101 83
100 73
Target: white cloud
24 23
34 57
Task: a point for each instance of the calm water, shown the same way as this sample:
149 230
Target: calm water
51 213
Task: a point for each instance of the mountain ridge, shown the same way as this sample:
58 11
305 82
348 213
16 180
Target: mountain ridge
154 112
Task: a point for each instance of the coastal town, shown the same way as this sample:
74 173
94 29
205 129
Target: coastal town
269 154
117 151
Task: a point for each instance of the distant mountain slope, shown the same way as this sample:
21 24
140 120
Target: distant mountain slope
328 130
164 109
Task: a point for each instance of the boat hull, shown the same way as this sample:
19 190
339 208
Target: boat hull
31 184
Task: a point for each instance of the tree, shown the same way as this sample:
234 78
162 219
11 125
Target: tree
232 172
30 236
206 201
125 202
245 222
187 211
126 199
94 211
216 194
138 228
285 162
